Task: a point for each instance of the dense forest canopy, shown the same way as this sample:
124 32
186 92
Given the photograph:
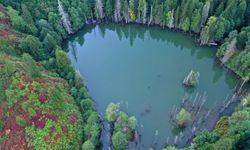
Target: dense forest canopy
36 28
212 20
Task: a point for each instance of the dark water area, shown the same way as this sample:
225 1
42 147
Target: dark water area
142 69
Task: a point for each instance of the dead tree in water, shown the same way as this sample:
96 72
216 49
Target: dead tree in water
202 118
192 79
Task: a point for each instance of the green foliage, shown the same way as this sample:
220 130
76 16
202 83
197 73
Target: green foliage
88 145
17 21
223 144
112 112
86 106
33 46
124 126
9 66
1 125
20 121
62 60
28 19
222 126
2 89
239 116
42 21
170 148
195 21
32 112
119 141
186 25
92 128
132 123
30 66
50 43
204 139
56 98
74 92
109 7
183 117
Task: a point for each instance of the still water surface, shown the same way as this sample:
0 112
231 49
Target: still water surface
143 68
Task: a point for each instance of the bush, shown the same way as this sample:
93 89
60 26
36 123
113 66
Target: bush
33 46
112 112
16 21
222 126
132 122
1 125
30 66
170 148
62 60
239 117
119 141
83 93
31 112
86 107
56 98
2 89
20 121
223 144
88 145
73 92
204 139
183 117
92 128
9 66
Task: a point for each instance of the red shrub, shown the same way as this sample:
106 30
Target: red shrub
58 136
52 130
39 121
25 97
4 33
20 85
31 88
65 129
26 79
43 98
73 117
51 116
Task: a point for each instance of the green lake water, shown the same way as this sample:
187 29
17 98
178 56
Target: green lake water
143 68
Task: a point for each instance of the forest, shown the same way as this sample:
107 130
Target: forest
38 80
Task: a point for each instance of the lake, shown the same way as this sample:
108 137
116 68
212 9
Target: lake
142 69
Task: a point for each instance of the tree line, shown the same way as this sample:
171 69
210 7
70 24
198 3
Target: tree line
46 23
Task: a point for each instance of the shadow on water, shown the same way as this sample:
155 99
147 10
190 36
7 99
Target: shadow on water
134 31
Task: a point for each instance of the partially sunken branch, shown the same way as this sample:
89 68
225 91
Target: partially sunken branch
192 79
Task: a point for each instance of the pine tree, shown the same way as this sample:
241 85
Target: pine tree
195 21
186 25
109 8
132 12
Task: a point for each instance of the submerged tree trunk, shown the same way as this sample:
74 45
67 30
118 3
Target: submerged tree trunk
204 37
65 19
241 86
